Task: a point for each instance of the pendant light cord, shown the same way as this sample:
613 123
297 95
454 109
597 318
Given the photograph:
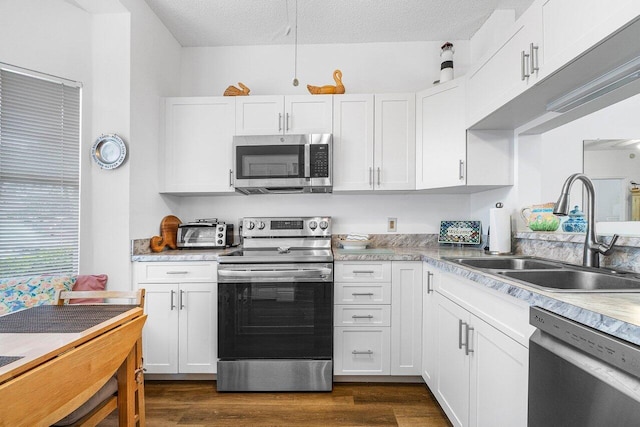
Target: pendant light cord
295 52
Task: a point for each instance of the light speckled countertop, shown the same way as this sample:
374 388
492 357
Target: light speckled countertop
617 314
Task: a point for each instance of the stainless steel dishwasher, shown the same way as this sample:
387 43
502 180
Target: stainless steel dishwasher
579 376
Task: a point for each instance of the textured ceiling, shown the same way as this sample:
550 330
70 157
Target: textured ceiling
262 22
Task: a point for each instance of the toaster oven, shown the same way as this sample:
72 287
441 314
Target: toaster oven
205 233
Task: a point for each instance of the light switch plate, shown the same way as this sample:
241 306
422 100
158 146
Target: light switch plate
392 224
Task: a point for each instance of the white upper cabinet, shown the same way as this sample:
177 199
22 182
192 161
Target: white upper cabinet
353 142
374 142
507 71
196 149
571 27
441 136
276 115
395 142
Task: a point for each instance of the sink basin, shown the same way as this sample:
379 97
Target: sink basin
522 263
569 280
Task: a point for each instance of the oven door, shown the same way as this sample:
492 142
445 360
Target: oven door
275 311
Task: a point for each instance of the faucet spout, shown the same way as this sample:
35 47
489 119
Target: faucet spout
592 248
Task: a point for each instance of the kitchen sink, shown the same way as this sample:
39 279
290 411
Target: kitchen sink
570 280
554 276
504 263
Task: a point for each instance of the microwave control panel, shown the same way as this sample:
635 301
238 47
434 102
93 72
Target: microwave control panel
319 160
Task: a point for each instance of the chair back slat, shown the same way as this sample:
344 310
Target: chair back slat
63 297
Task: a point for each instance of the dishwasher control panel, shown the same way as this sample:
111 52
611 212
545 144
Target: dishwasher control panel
612 350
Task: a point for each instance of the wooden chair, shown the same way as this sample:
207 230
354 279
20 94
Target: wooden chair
106 400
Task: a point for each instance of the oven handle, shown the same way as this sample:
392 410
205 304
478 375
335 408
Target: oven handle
274 273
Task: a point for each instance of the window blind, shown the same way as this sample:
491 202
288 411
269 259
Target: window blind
39 175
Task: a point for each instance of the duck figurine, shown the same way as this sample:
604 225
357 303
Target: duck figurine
329 89
234 91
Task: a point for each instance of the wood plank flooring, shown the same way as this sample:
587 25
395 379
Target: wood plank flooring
197 403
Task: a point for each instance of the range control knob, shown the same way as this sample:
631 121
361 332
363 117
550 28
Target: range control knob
324 225
313 225
251 225
261 225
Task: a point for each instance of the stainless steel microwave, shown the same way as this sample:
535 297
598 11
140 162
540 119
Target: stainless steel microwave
268 164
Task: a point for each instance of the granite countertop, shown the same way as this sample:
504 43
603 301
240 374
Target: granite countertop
617 314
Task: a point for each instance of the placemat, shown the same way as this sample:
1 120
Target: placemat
59 318
5 360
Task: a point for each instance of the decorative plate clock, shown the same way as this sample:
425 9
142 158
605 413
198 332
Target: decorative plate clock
109 151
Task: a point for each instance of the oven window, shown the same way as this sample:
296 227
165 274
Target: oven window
275 320
270 161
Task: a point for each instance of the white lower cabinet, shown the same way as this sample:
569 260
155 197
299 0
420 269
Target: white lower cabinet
477 372
180 335
378 318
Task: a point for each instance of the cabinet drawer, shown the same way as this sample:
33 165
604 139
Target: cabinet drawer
174 272
362 272
362 293
362 351
362 315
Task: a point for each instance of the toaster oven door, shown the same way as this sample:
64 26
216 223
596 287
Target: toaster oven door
200 237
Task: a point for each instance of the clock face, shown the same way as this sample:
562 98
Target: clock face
109 151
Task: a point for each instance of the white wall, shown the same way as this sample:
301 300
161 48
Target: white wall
416 213
268 70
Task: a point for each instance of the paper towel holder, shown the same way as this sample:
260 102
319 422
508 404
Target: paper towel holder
505 247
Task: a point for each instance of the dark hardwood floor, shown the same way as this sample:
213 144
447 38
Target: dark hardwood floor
197 403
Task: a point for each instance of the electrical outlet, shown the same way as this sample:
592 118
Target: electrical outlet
392 224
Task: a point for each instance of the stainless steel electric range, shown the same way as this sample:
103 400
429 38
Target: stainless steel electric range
275 307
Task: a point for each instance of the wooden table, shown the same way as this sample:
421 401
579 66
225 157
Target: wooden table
57 372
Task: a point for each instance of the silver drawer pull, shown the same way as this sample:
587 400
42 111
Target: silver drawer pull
365 294
362 352
368 316
177 272
363 271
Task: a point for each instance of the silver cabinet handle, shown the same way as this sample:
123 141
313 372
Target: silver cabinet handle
366 294
363 271
524 65
368 316
429 277
362 352
172 305
230 178
533 58
379 177
279 121
467 350
460 323
287 124
177 272
461 169
181 299
370 177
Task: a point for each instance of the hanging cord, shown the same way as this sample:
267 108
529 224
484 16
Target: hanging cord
295 52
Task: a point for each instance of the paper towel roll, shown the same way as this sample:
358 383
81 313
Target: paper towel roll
499 231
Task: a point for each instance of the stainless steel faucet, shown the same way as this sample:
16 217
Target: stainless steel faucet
592 248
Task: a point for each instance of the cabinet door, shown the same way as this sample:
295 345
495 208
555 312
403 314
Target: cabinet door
571 27
406 318
429 328
452 385
499 378
395 142
308 114
353 142
441 136
197 304
500 75
260 115
160 332
361 351
197 145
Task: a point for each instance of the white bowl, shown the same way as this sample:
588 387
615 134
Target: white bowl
354 244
